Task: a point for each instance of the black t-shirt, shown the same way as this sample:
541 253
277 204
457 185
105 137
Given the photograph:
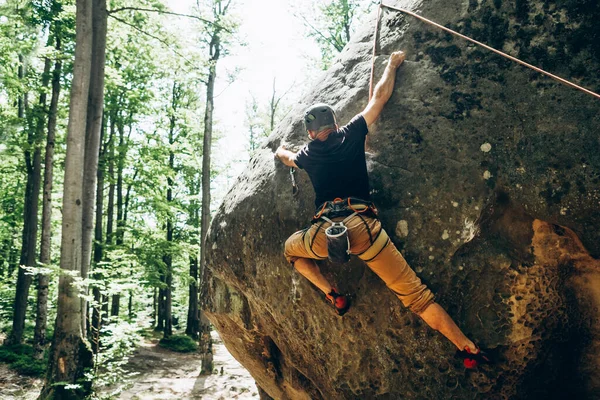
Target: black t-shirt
337 166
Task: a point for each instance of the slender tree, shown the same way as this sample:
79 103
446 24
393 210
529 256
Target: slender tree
330 24
33 167
216 47
274 105
45 244
255 124
99 298
170 225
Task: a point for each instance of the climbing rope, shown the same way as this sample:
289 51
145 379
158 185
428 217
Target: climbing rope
485 46
375 39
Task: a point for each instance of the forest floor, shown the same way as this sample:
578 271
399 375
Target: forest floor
161 374
14 386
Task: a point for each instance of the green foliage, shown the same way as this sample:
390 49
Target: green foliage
330 23
179 343
118 341
20 358
153 111
30 367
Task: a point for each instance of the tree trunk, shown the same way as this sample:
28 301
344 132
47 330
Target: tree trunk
215 51
97 317
30 218
115 305
119 235
110 210
168 257
273 107
92 139
39 339
193 319
130 306
347 20
168 331
70 354
160 309
125 213
155 307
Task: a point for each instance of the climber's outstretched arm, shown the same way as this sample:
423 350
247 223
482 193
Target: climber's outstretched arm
287 157
384 88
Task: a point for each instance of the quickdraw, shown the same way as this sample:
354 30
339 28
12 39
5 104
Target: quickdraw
294 186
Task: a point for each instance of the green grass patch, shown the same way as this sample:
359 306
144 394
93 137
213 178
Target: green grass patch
151 334
179 343
19 357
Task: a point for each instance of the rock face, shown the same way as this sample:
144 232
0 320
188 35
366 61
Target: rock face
486 176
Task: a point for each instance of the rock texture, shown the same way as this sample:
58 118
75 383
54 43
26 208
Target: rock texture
486 175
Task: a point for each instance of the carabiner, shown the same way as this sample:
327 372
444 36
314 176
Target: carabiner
294 186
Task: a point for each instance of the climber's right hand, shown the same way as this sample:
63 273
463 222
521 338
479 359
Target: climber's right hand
396 59
287 157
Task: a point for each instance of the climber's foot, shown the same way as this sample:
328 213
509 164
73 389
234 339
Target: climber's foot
340 302
473 358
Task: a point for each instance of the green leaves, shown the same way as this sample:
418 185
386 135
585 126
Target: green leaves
331 23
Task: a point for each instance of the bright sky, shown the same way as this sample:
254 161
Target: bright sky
276 47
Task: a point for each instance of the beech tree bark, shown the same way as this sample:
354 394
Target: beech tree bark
70 354
39 338
95 109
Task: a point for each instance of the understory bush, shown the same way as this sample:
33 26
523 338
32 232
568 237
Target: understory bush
19 357
118 341
179 343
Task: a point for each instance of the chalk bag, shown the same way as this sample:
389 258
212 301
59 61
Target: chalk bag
338 243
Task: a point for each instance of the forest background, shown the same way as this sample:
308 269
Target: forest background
104 202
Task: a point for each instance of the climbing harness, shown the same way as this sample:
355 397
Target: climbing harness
427 21
294 186
344 207
338 242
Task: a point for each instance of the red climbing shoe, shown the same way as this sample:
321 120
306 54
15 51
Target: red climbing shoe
473 358
340 302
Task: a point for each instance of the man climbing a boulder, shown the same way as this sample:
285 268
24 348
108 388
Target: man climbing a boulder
346 220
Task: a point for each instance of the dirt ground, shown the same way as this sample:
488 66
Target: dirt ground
14 386
162 374
168 375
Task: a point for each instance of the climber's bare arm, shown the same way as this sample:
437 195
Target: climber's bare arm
384 88
287 157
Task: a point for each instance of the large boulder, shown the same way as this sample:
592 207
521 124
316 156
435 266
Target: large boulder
486 175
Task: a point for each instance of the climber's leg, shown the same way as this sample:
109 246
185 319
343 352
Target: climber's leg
437 318
301 250
310 270
402 280
391 267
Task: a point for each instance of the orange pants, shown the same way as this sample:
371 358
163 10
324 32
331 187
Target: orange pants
383 258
